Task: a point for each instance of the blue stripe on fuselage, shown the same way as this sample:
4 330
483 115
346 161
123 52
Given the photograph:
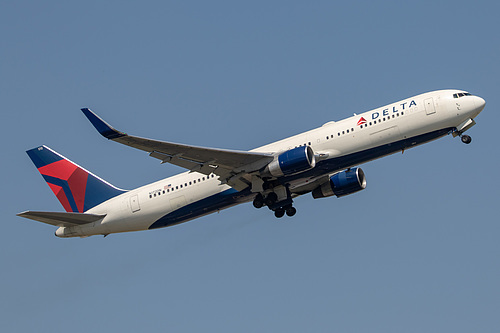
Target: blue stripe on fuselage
205 206
232 197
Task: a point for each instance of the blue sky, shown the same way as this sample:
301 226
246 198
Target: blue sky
417 251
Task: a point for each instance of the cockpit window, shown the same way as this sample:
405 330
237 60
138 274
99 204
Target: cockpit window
458 95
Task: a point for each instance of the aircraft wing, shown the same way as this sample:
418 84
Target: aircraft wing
232 166
61 219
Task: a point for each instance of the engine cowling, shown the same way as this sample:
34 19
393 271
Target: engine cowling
342 183
291 162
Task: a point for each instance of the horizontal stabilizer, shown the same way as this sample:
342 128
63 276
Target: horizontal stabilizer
61 219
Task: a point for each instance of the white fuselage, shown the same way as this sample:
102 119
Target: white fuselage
355 140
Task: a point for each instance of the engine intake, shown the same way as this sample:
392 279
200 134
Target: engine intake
342 183
291 162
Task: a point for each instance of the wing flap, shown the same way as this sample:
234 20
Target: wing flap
61 219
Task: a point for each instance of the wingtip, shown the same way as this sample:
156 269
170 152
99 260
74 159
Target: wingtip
101 126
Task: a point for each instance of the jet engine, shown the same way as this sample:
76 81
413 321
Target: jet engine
342 183
291 162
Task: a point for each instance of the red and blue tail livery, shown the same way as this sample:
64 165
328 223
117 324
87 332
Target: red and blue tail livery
77 189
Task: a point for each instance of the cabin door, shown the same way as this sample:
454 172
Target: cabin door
134 203
429 106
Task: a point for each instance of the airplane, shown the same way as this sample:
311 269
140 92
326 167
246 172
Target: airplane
323 161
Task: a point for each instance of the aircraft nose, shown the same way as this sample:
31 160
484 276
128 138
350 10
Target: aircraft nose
479 103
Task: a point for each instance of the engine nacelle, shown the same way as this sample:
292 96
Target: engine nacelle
342 183
291 162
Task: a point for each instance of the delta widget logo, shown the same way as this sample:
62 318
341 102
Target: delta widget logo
68 182
361 121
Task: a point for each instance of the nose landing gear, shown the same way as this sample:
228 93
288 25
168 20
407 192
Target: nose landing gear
466 139
463 137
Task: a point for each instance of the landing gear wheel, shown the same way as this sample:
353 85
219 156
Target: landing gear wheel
279 212
271 199
258 202
466 139
291 211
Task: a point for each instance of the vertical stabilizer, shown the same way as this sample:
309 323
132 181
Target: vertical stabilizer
77 189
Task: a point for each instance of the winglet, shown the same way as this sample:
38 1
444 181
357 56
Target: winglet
101 126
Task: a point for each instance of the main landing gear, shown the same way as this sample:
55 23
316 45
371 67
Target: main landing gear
280 208
289 210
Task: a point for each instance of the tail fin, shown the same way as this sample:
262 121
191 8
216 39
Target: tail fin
77 189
